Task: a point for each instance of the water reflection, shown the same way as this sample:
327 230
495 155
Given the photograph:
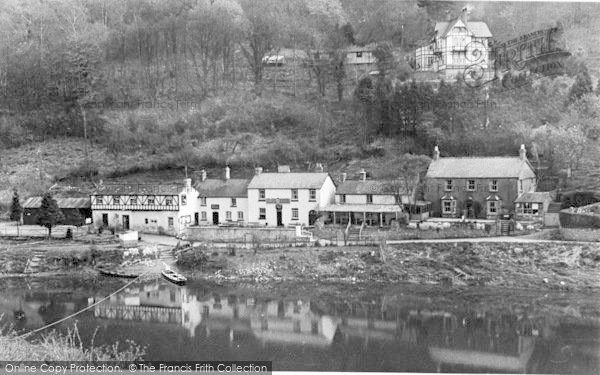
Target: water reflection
342 331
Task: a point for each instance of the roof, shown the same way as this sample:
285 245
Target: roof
36 202
291 180
534 197
373 187
362 208
478 167
141 189
477 28
217 188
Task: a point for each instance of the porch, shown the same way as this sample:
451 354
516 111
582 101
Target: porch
357 214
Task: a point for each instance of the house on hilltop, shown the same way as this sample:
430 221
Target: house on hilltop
221 201
477 187
455 46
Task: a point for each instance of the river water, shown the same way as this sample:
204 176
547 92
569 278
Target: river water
313 327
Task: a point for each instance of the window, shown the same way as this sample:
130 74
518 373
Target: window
358 54
99 200
494 185
262 214
170 221
448 186
312 194
203 201
520 187
116 199
146 221
261 194
203 216
228 215
240 215
151 199
531 208
183 200
133 199
294 214
168 201
448 206
493 207
233 202
294 194
369 198
471 185
342 198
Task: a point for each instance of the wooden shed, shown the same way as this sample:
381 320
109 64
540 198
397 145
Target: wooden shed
75 210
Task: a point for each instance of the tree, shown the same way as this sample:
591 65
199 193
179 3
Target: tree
582 86
411 169
16 209
50 214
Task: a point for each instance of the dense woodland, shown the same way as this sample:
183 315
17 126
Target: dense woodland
184 79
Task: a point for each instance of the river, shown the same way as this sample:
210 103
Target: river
312 327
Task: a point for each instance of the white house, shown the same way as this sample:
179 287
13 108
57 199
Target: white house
222 200
288 198
456 46
374 202
159 208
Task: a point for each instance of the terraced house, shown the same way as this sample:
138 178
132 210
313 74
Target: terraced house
477 187
147 208
288 198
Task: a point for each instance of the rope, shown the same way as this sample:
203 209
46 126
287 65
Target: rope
80 311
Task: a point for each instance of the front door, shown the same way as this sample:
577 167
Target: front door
126 222
279 218
196 219
104 220
215 218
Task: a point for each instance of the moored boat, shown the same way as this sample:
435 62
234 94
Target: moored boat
174 277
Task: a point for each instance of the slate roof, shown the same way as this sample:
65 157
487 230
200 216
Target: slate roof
534 197
217 188
478 167
292 180
139 189
373 187
36 202
477 28
362 208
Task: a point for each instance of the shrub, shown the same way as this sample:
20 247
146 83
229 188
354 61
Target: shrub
69 235
193 257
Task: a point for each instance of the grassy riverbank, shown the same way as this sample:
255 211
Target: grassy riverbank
54 346
563 266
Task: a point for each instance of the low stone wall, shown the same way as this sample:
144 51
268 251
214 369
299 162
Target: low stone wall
580 234
242 234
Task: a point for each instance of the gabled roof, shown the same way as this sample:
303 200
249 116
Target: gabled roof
534 197
477 28
291 180
480 167
139 189
373 187
36 202
217 188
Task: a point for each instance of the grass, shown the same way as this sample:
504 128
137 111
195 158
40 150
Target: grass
55 346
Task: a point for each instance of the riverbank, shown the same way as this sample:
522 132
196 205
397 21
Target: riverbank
560 266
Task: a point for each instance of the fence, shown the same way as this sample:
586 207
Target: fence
25 231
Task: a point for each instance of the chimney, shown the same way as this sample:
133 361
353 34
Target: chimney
203 175
363 175
227 172
283 169
187 182
257 171
319 167
436 153
344 175
523 152
464 15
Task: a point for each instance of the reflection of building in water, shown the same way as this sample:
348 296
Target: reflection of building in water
280 321
150 302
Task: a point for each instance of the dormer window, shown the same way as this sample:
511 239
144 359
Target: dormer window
151 199
99 199
133 199
116 199
169 201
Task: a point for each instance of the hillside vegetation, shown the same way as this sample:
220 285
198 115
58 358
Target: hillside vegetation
111 89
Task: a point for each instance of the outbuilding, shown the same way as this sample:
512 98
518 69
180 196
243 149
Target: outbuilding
75 210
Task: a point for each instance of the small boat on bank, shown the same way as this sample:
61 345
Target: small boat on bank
174 277
117 273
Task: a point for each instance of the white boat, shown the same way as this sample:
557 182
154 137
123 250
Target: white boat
174 277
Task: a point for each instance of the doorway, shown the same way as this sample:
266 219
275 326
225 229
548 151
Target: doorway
196 219
215 218
279 217
104 220
126 222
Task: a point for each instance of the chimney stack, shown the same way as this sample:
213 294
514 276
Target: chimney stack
464 15
227 172
257 171
523 152
187 182
319 167
344 176
363 175
203 175
436 153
